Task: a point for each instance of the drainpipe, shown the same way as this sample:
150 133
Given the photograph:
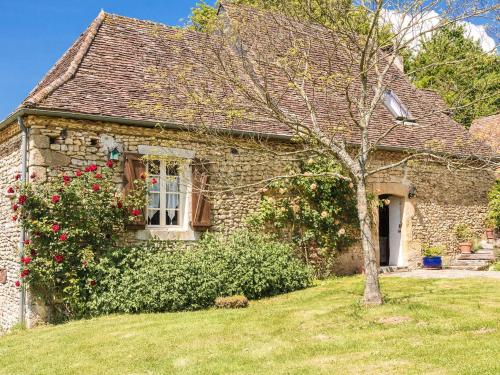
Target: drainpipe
22 237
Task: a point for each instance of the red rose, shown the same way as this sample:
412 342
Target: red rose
143 176
15 207
136 212
63 237
56 198
26 260
25 272
119 204
27 242
33 253
55 228
33 175
96 187
22 199
18 283
78 173
93 282
109 164
92 168
14 218
98 176
58 258
154 181
66 178
10 190
17 177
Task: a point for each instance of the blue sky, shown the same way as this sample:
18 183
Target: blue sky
35 33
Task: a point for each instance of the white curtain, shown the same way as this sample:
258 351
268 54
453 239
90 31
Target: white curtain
172 198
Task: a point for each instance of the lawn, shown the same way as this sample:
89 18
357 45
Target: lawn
426 326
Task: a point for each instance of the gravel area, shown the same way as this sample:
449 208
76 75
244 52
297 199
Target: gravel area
444 274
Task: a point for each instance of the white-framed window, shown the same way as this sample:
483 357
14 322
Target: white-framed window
167 194
396 107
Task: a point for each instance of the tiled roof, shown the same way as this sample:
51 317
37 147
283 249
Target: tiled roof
487 130
136 70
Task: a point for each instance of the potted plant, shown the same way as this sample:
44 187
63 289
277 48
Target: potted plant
432 256
464 235
490 229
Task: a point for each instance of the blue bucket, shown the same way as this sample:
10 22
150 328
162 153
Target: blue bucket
432 262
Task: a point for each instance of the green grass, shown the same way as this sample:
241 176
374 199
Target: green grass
425 327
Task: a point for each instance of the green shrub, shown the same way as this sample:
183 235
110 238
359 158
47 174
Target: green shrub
495 266
160 277
463 233
232 302
432 251
494 206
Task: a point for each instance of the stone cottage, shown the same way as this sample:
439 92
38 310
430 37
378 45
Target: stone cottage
107 98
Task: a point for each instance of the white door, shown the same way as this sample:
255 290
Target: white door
395 219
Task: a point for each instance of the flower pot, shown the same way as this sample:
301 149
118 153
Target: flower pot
490 233
465 247
432 262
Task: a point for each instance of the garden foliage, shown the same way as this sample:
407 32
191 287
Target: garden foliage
315 210
494 206
167 276
75 263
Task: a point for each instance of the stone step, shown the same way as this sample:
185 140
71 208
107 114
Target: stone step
469 262
468 268
485 255
487 245
390 269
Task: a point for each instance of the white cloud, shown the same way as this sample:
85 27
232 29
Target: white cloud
426 21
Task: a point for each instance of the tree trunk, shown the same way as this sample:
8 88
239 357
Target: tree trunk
372 295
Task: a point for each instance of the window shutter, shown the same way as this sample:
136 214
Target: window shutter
201 207
133 168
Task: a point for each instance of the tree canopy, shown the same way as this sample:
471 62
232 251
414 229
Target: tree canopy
459 70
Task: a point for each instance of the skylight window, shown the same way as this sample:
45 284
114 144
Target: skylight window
396 107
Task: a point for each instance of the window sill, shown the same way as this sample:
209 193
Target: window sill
167 234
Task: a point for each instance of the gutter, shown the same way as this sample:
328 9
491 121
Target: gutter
126 121
22 237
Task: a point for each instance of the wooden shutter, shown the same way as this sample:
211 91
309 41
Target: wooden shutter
201 207
133 168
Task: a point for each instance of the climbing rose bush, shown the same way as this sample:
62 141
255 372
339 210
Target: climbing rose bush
315 210
72 221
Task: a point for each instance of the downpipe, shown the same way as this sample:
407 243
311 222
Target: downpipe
22 237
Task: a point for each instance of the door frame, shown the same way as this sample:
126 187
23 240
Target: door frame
401 191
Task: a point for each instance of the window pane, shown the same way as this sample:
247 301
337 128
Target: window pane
154 187
154 200
171 170
153 217
173 200
172 184
154 167
394 105
172 217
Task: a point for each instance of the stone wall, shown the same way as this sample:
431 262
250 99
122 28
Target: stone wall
231 165
443 198
10 141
